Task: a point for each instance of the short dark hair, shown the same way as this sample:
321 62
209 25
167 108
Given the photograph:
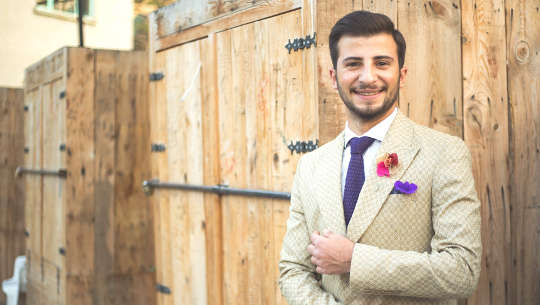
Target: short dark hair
364 23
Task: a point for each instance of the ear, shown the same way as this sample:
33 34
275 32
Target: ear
402 76
333 76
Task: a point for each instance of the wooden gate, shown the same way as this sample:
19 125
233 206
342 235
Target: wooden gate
86 149
227 109
11 190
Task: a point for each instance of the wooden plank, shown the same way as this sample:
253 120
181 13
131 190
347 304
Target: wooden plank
12 239
386 7
80 188
185 166
434 83
331 108
523 48
486 135
211 164
185 14
263 9
132 226
106 99
160 200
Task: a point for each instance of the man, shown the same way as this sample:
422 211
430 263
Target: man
387 212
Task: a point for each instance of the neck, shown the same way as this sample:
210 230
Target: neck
360 125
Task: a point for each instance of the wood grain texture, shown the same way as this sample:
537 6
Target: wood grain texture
210 138
386 7
160 200
486 135
80 187
432 94
260 10
523 57
12 217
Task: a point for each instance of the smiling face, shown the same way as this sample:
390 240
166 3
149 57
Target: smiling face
367 77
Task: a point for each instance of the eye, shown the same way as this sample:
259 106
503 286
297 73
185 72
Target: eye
382 63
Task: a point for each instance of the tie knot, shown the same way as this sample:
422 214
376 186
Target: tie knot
359 145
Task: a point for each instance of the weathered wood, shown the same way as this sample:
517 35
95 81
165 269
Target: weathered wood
387 7
210 137
486 135
432 94
259 10
523 58
12 238
80 187
90 234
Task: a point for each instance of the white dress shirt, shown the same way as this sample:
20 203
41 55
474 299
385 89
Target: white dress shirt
376 132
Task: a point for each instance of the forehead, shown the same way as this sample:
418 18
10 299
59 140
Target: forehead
382 44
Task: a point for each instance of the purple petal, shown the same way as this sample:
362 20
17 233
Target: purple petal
405 187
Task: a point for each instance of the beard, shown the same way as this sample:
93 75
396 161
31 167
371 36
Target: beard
371 113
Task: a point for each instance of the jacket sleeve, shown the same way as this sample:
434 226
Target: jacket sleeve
298 281
452 268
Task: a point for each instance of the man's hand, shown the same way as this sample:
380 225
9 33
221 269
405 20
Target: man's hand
331 252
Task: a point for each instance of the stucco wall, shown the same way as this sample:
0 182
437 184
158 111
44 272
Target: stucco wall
27 37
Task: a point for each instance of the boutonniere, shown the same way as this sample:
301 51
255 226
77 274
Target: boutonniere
404 187
386 163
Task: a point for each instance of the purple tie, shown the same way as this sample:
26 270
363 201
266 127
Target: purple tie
355 175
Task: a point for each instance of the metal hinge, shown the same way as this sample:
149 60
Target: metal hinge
163 289
301 43
156 76
158 147
303 146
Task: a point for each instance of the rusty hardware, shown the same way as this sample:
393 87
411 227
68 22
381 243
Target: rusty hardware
302 43
62 94
163 289
62 251
62 173
150 185
303 146
62 147
156 76
158 147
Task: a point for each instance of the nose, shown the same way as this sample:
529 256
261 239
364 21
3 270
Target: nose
367 75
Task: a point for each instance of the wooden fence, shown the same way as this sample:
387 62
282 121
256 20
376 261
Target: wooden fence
231 99
89 229
11 189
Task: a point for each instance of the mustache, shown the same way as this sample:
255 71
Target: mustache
367 86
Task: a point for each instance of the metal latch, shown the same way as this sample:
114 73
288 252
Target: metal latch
158 147
301 43
156 76
163 289
303 146
62 173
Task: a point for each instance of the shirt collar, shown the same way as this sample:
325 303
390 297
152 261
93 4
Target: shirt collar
376 132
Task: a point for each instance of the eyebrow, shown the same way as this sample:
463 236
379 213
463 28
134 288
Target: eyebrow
376 58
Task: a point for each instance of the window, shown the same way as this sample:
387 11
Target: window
66 9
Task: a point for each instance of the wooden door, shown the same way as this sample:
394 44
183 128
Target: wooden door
226 110
45 132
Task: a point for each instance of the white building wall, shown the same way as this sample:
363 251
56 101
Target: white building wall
26 37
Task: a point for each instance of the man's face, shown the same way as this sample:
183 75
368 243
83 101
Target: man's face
367 75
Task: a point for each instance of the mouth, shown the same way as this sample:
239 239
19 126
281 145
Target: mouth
367 93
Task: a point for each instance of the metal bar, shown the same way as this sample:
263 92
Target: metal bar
150 185
62 173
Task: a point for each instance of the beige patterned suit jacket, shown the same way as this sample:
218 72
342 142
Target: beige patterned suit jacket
422 248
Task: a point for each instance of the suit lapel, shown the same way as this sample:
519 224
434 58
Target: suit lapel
399 139
329 187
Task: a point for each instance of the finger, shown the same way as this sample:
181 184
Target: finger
314 260
311 249
320 270
314 237
326 233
